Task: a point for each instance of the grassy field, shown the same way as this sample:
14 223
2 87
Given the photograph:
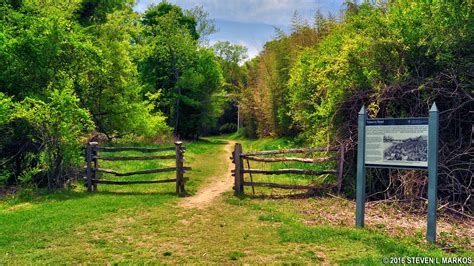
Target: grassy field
143 223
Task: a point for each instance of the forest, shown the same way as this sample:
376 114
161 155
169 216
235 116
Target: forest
78 70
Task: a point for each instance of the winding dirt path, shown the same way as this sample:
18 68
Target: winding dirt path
216 185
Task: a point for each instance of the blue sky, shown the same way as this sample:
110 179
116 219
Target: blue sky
251 22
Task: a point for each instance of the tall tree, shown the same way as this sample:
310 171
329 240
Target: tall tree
204 25
172 51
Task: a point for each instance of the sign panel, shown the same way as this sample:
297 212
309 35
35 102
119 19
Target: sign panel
396 142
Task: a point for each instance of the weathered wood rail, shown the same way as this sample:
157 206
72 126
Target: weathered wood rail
239 170
92 167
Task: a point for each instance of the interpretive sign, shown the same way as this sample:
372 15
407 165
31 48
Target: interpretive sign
397 143
407 143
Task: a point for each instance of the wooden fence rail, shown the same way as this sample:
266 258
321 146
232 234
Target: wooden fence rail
141 172
92 167
133 158
121 149
289 171
238 172
289 151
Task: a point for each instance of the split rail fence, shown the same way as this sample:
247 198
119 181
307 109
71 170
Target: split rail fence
239 170
93 156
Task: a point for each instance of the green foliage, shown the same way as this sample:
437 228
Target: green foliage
373 50
115 96
232 54
188 76
82 66
96 11
98 59
267 92
5 109
54 129
395 57
155 14
69 69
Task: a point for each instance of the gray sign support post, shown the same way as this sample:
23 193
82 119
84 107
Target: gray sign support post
360 195
432 173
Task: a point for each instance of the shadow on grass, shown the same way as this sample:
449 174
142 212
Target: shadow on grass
43 195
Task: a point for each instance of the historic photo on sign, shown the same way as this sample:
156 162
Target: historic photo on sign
406 149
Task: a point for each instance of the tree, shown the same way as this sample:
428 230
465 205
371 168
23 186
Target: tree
204 25
230 57
269 74
95 11
172 66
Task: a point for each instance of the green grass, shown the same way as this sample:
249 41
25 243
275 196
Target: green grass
341 244
143 224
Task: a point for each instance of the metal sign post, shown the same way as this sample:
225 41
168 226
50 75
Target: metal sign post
401 143
360 195
432 173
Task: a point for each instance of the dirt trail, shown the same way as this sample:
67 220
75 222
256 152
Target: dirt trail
216 185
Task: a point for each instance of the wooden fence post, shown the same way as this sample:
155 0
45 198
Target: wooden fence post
340 170
238 171
94 160
89 166
179 167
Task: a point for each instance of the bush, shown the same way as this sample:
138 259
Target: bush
42 141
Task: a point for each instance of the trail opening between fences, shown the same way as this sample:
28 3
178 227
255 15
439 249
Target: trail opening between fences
238 172
92 167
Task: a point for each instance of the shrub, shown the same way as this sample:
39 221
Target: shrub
43 138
